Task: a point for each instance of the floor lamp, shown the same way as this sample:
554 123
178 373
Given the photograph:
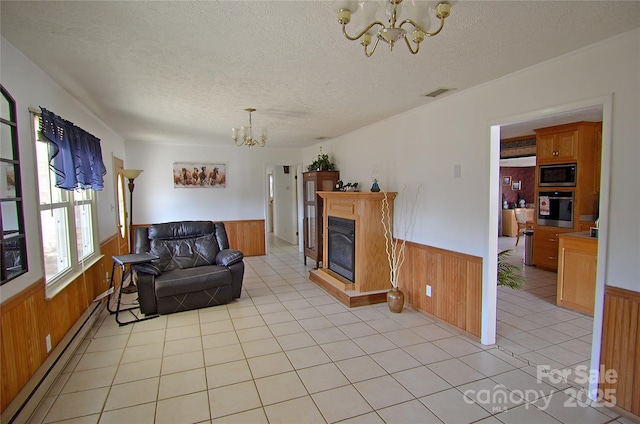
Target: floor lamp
130 174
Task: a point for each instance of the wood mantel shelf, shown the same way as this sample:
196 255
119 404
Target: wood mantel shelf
371 274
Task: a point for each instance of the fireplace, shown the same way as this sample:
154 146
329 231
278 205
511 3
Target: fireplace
341 246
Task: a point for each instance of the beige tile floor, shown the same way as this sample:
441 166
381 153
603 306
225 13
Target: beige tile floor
531 326
286 352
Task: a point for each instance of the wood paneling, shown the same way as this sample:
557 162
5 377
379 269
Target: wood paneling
456 285
247 236
27 318
23 327
620 349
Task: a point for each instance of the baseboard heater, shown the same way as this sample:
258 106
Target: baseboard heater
26 402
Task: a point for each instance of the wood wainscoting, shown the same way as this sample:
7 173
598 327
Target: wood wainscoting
456 285
620 348
27 318
247 236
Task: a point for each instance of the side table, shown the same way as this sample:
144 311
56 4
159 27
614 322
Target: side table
125 262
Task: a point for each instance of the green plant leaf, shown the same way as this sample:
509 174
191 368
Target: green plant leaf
509 275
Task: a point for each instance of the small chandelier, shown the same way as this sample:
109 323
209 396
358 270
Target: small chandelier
246 134
394 32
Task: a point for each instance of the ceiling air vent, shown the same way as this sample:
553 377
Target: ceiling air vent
437 92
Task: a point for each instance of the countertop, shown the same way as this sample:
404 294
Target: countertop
579 234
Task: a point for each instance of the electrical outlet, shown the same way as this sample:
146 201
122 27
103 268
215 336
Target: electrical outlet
47 341
428 290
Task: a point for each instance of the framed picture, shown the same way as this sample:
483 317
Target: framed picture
506 181
516 185
199 175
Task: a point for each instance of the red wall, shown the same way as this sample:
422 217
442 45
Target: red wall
525 174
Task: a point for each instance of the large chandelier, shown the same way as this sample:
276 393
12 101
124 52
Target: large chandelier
246 134
395 32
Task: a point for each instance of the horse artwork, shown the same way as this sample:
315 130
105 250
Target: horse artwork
199 175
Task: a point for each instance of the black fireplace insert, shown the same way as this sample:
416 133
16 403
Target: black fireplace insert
342 246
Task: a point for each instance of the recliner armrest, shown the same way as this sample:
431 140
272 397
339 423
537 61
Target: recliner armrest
228 257
147 268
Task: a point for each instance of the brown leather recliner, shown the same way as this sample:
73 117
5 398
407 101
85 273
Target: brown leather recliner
195 267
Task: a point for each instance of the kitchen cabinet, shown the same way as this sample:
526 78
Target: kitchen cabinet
546 241
579 143
312 182
577 265
557 147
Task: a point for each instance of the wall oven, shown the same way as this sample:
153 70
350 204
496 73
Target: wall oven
557 175
555 208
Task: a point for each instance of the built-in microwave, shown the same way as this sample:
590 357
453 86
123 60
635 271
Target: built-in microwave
557 175
555 208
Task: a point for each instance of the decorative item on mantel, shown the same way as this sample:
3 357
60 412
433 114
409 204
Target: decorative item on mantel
351 187
322 163
395 249
375 187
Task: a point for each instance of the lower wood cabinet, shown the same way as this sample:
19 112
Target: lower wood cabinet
577 264
545 247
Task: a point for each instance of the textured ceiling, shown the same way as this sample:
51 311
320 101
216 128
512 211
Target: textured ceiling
182 72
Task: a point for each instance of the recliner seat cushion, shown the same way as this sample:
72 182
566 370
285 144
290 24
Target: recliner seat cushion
191 280
184 253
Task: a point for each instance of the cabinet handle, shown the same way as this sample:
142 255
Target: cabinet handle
552 239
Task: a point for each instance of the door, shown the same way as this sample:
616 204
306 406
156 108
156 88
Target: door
121 216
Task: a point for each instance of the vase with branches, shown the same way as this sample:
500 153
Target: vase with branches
395 249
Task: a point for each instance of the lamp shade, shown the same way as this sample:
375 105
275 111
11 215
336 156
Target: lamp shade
131 174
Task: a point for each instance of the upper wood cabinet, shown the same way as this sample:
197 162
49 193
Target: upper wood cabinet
557 147
567 143
312 182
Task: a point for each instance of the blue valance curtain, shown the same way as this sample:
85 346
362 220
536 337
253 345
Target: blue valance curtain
75 156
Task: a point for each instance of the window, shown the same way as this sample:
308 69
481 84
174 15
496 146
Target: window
67 221
13 246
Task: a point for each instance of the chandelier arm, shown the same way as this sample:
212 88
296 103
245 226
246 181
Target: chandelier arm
235 140
422 30
363 32
406 40
369 54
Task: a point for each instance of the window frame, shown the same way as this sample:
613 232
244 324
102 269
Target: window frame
70 200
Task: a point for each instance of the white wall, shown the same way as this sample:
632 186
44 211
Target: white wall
31 87
424 144
156 200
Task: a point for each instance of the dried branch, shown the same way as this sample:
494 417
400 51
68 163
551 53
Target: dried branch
395 251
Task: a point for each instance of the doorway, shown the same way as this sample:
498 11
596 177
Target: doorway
282 202
527 323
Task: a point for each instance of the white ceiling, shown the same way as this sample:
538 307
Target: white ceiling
183 72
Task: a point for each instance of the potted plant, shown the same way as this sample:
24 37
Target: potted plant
322 163
509 275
